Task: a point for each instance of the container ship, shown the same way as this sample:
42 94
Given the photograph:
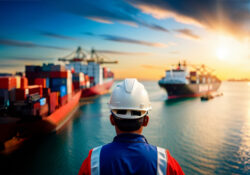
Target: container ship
100 78
189 81
38 102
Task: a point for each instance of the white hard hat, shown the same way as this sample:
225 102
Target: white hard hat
129 100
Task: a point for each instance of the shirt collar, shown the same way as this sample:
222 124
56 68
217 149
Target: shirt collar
130 138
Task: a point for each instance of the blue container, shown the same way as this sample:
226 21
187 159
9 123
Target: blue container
57 82
47 82
5 75
63 91
42 101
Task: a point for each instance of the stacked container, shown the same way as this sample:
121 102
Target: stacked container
7 90
78 81
61 81
23 91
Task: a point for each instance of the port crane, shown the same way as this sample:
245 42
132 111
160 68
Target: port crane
81 55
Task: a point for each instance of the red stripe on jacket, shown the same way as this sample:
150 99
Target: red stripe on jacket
86 165
173 167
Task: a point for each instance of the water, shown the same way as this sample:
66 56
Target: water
211 137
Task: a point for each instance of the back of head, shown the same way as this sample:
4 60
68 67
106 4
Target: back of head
129 104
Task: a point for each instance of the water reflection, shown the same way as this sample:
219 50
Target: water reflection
170 102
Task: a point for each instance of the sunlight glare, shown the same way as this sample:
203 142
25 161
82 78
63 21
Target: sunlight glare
222 53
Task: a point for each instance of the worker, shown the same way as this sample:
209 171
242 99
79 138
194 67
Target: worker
129 153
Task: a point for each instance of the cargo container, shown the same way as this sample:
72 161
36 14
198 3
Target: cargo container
64 74
35 89
41 82
18 82
46 92
24 83
63 100
57 68
7 83
21 94
53 101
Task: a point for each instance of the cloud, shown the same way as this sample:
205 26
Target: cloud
24 58
54 35
187 33
122 52
153 26
6 66
133 41
106 12
230 16
127 40
16 43
98 19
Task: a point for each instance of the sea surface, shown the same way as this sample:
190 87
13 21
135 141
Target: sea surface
205 137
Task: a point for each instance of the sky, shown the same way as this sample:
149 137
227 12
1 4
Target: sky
145 36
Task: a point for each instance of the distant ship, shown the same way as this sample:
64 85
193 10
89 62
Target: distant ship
182 81
101 78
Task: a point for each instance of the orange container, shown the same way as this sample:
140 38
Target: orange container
86 77
24 83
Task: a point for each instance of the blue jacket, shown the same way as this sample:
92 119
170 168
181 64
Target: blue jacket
129 154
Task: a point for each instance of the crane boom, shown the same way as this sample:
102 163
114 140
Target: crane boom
79 55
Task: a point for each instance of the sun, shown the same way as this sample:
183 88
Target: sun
222 53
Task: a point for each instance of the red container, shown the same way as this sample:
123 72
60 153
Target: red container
105 69
36 105
91 79
7 83
76 85
53 101
46 92
63 74
34 75
63 100
24 83
21 94
105 74
40 81
35 89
